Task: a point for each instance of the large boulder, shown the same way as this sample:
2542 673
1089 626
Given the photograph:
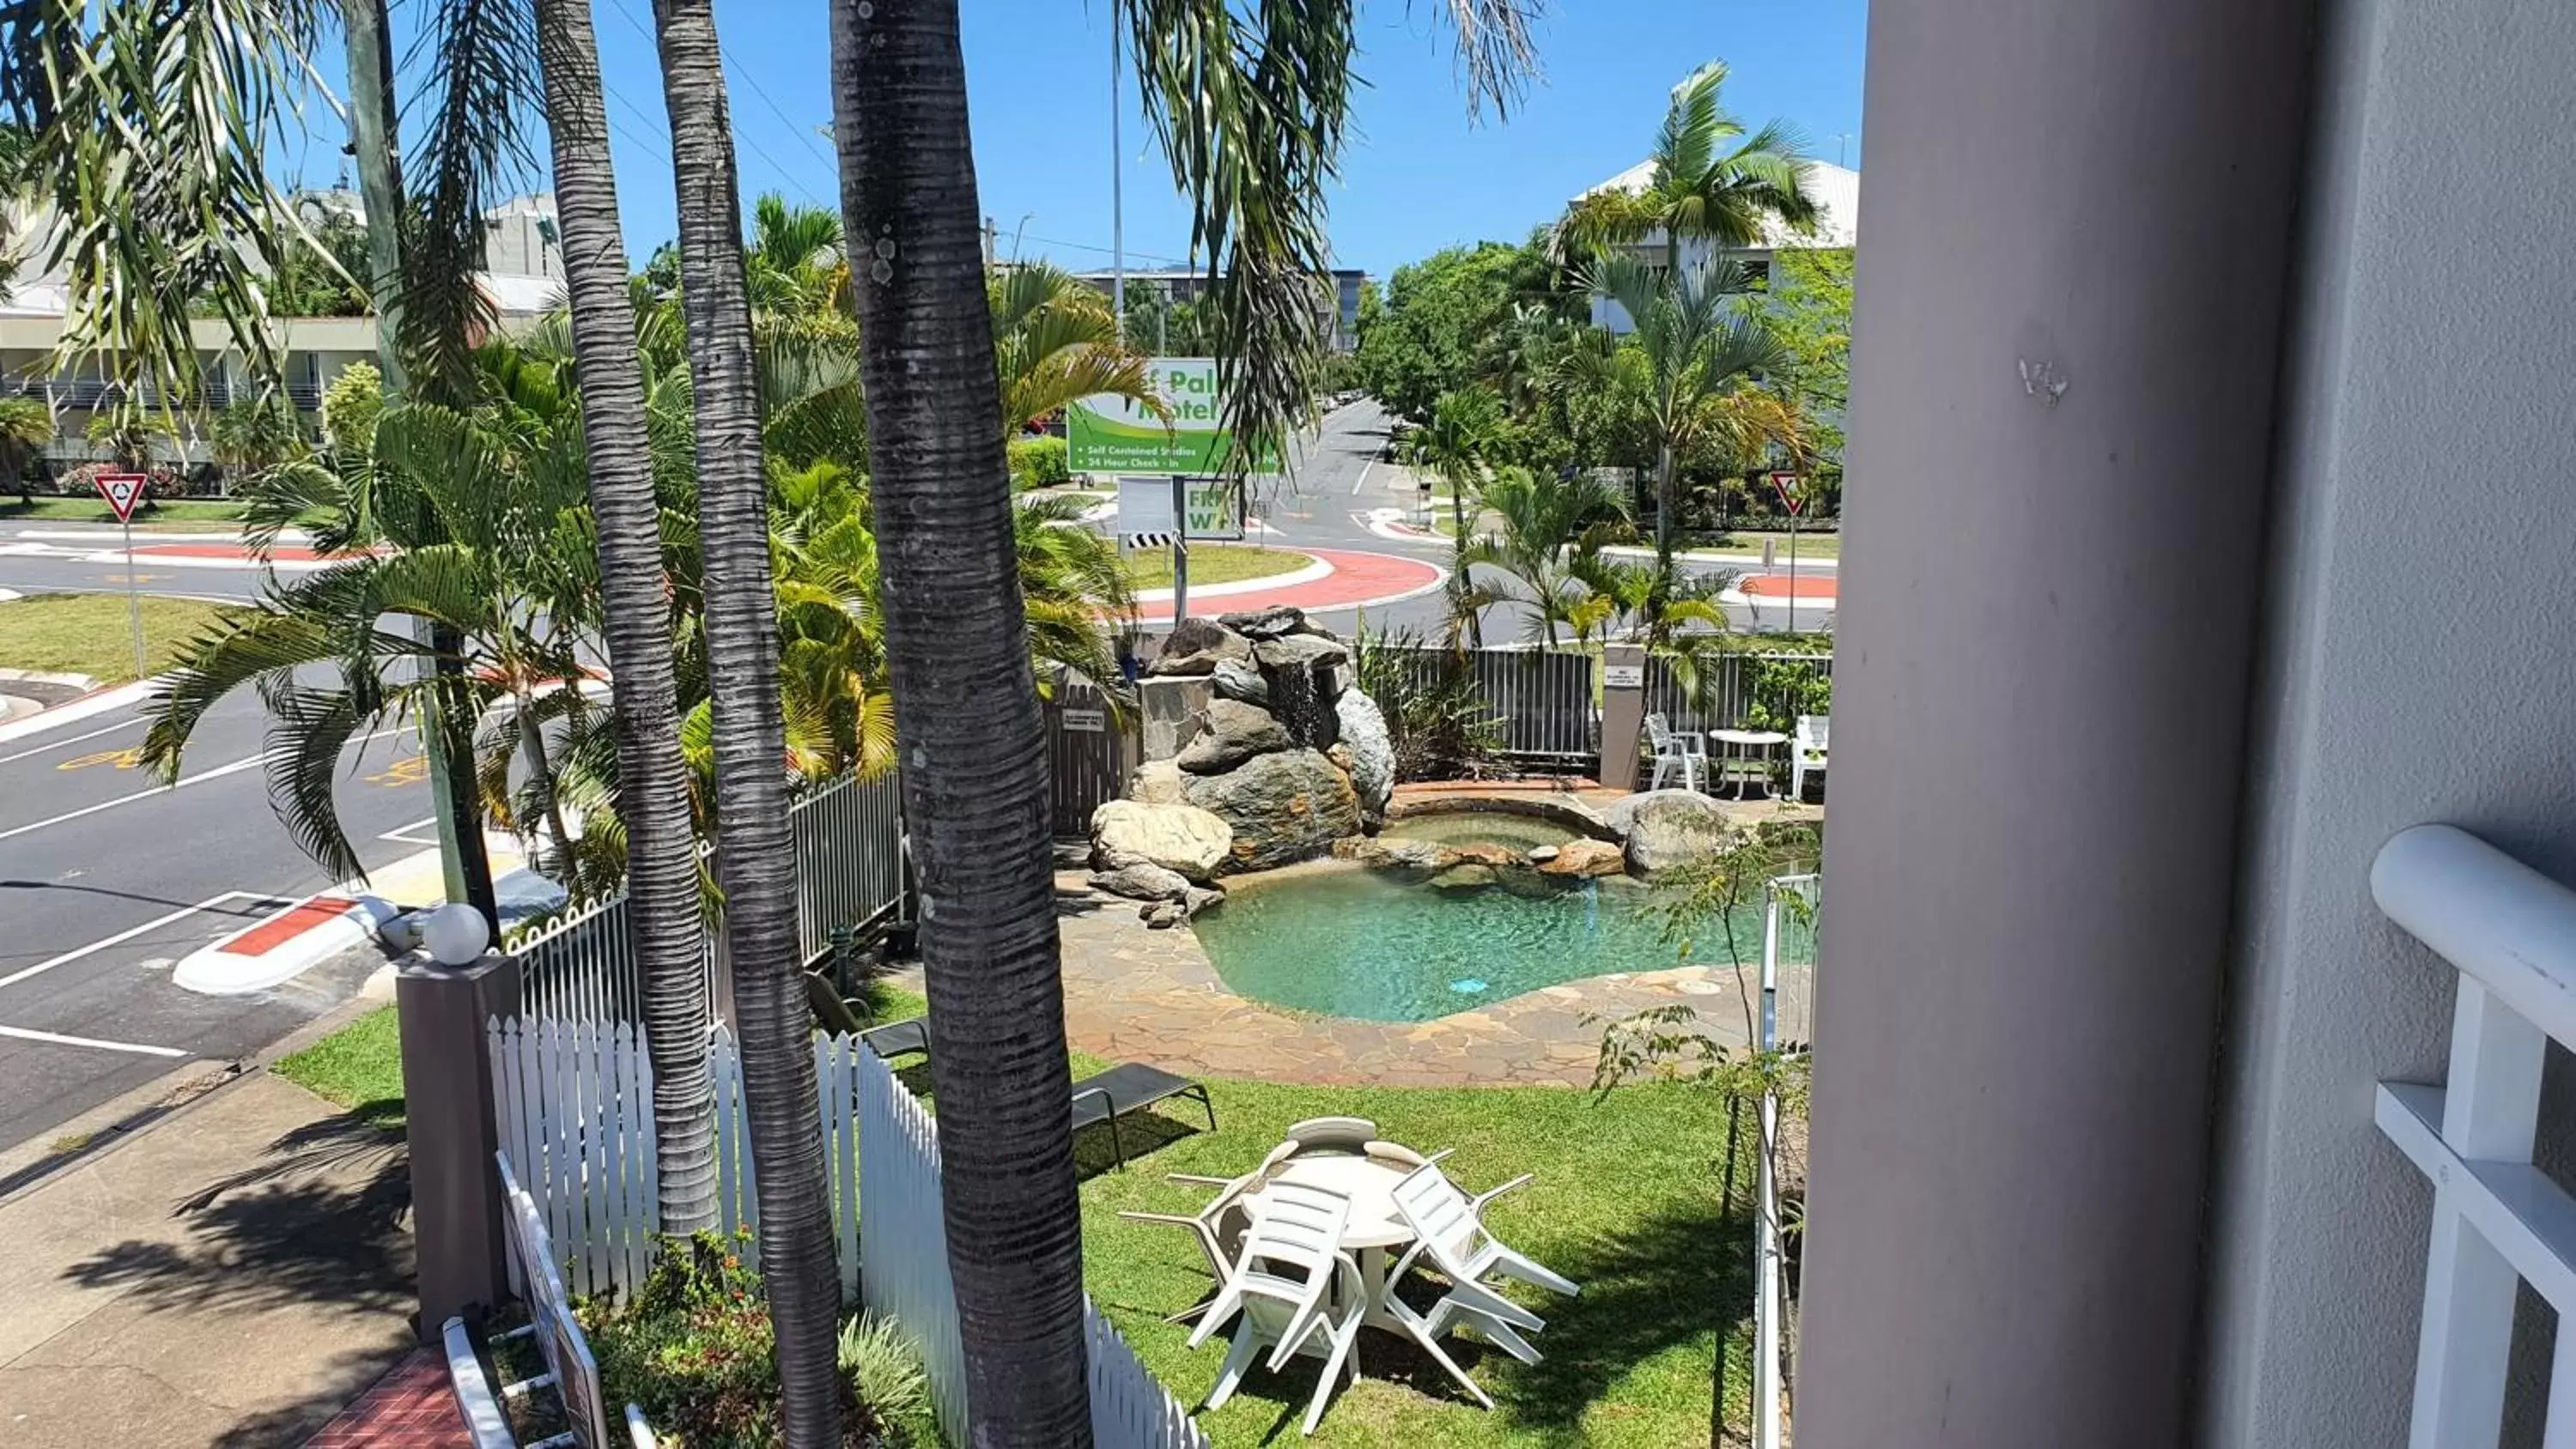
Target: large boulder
1157 782
1239 679
1270 623
1468 877
1670 829
1197 646
1139 881
1282 808
1235 733
1416 857
1363 729
1302 652
1582 858
1179 837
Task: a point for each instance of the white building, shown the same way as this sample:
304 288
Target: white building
524 282
1837 226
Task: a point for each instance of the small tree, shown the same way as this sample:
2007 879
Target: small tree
257 433
127 431
1718 902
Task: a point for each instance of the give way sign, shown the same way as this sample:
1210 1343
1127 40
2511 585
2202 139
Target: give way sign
123 492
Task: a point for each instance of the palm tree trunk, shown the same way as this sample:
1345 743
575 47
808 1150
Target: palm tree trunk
966 715
1665 504
663 925
755 853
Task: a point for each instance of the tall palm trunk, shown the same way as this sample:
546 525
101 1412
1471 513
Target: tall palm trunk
664 931
966 715
755 853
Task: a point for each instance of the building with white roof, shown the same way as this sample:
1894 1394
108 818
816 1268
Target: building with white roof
524 283
1836 190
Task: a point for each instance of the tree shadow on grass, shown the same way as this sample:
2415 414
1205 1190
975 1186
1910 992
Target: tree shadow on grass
1667 1278
318 1221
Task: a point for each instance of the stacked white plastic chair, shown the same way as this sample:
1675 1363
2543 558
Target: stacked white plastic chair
1449 1231
1292 1291
1683 751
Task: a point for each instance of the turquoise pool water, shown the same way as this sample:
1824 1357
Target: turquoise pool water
1350 942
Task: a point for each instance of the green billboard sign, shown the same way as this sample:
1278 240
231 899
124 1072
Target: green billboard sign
1105 433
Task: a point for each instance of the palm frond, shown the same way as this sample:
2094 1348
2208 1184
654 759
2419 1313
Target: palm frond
484 55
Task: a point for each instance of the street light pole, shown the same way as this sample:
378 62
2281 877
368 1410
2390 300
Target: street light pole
1117 191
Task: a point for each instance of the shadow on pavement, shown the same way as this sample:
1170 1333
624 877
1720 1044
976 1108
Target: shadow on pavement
318 1223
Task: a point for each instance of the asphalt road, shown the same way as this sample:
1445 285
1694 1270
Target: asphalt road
106 881
1331 490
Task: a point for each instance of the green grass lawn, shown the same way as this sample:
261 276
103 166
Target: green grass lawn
1810 545
358 1067
90 634
168 515
1626 1202
1213 563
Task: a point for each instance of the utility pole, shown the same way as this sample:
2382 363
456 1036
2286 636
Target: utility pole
467 870
1117 191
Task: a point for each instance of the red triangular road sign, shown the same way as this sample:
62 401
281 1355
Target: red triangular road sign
1786 485
123 492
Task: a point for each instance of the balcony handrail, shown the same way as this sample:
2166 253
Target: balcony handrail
2498 1221
2496 919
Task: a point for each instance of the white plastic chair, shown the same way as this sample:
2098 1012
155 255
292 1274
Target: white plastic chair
1451 1228
1298 1229
1333 1134
1807 752
1682 750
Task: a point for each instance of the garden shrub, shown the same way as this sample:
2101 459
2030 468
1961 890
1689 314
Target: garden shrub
1437 719
693 1347
1039 463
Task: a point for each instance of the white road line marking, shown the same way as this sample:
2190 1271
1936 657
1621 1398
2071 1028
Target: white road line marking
23 1034
68 957
1364 472
403 833
198 779
76 739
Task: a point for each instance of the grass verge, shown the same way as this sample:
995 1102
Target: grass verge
358 1067
1213 563
89 634
165 514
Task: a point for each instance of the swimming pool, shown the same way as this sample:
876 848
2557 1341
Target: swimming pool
1345 941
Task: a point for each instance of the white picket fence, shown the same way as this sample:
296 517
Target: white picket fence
574 1103
905 1277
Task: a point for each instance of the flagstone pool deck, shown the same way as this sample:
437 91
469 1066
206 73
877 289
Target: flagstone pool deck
1134 994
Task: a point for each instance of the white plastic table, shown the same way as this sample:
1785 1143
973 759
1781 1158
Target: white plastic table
1374 1225
1735 745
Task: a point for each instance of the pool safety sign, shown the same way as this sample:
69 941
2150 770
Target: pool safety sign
1106 433
1213 510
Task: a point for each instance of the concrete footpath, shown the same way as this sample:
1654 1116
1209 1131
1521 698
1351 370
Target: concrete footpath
228 1277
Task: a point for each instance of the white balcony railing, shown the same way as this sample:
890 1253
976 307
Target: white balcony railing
2497 1220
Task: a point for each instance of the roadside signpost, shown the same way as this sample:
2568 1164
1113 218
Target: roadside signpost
1174 485
124 493
1792 491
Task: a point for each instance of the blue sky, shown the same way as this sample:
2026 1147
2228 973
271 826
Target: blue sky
1418 175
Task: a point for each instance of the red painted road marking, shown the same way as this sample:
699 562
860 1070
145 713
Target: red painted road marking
1357 578
1776 586
278 930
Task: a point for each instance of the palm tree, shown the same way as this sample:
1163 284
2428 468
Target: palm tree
755 853
1550 525
1456 446
1695 337
1250 114
664 928
26 426
1055 339
1706 179
487 543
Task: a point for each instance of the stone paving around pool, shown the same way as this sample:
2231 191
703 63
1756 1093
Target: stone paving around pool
1133 994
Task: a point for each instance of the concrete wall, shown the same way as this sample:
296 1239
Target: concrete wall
2419 667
